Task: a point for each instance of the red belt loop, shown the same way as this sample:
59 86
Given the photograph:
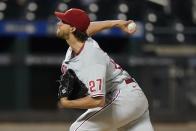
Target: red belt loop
130 80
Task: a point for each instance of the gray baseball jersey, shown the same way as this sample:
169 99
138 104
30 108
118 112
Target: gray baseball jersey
125 101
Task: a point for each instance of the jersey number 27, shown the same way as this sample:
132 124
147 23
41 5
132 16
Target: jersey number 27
95 85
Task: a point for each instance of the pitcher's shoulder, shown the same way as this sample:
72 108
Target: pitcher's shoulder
92 43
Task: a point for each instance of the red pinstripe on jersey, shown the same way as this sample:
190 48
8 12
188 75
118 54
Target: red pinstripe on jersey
109 104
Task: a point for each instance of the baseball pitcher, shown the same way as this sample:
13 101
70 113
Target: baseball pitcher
92 80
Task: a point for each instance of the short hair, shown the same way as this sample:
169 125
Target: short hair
81 36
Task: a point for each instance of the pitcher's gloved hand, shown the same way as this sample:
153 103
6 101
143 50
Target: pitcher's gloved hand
71 87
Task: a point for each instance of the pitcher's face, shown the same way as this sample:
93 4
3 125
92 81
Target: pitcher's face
63 30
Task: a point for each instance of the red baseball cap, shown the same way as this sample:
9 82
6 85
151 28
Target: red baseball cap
75 17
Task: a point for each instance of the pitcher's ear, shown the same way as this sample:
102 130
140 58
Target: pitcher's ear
73 29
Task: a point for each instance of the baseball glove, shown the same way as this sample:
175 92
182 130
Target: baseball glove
71 87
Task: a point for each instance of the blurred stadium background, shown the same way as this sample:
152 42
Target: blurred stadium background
161 55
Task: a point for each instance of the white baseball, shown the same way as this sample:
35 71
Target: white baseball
132 26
